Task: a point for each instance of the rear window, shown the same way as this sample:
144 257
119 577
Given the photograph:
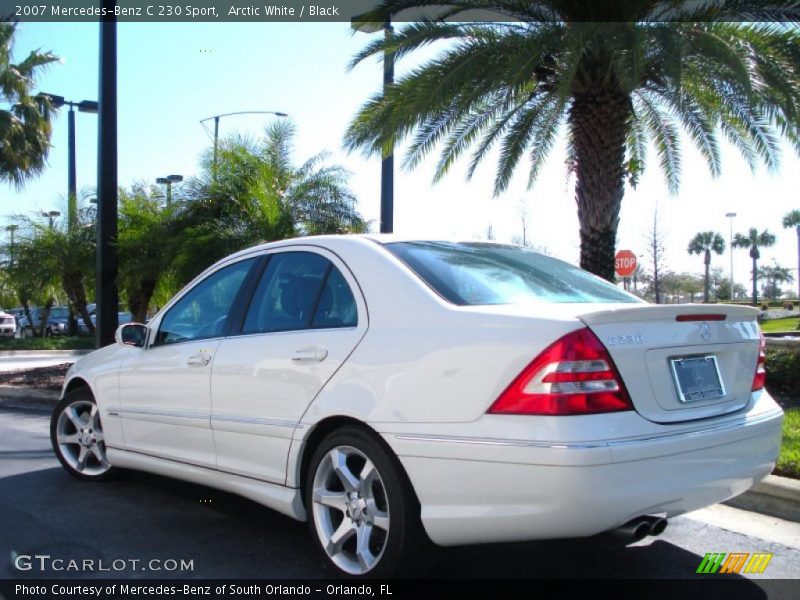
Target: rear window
478 273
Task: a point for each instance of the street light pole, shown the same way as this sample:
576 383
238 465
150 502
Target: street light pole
72 185
731 215
387 162
231 114
168 181
106 288
88 106
387 165
50 215
11 229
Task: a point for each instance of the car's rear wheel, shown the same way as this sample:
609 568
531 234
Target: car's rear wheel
362 511
76 433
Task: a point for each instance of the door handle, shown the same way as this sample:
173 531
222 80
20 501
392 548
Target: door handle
198 360
310 355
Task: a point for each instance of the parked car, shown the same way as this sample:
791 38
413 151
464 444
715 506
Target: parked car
57 322
8 324
393 393
123 316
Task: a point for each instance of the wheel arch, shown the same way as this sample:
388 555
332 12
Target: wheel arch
75 383
327 426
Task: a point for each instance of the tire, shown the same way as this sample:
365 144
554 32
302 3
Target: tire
76 434
362 511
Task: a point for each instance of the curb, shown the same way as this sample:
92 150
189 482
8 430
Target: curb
774 496
783 343
45 353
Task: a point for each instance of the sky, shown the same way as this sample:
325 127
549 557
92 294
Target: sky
173 75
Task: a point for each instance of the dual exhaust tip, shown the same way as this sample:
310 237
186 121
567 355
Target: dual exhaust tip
640 527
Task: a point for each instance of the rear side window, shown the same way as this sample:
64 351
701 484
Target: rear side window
478 273
300 290
337 306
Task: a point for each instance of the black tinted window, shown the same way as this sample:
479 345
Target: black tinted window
300 290
337 306
203 312
480 273
288 293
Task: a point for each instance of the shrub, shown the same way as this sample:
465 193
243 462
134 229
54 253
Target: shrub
783 373
765 306
789 305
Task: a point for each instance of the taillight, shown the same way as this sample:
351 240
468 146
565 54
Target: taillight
573 376
760 378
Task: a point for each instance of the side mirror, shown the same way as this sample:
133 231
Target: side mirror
131 334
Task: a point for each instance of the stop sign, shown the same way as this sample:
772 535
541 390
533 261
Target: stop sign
624 263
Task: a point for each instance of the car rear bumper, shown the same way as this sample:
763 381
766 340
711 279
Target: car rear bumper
475 490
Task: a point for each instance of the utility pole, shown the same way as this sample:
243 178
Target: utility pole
106 288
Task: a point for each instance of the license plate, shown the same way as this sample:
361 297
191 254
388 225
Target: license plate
697 378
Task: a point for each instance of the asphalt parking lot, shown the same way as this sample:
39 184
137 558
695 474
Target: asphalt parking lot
143 517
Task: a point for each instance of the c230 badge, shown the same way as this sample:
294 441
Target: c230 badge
620 340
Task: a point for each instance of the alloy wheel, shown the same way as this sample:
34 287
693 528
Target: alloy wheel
80 440
351 510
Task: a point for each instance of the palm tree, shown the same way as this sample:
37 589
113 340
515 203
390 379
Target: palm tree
612 86
62 256
754 240
255 193
33 275
147 240
792 219
704 243
773 275
25 125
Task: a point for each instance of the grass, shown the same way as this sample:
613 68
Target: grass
51 343
789 460
787 324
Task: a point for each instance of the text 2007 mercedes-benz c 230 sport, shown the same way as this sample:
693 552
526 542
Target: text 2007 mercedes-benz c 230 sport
396 392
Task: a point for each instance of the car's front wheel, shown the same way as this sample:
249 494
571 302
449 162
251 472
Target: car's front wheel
362 511
76 433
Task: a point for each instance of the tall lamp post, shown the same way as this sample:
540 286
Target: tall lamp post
106 287
241 112
731 215
86 106
168 181
51 215
11 229
387 164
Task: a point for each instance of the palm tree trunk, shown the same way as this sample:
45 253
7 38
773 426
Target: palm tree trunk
139 300
598 123
708 263
76 293
755 281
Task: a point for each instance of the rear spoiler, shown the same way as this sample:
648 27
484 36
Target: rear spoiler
647 312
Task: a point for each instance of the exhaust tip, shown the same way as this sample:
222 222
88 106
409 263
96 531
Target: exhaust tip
641 530
657 526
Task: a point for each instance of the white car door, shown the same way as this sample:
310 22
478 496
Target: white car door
305 318
165 399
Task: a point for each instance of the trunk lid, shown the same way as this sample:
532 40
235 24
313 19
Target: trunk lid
669 356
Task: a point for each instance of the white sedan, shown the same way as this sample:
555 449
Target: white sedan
393 393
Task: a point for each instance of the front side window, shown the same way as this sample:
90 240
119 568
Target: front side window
203 312
300 290
479 273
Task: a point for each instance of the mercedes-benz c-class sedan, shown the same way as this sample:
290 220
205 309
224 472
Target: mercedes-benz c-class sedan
397 392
